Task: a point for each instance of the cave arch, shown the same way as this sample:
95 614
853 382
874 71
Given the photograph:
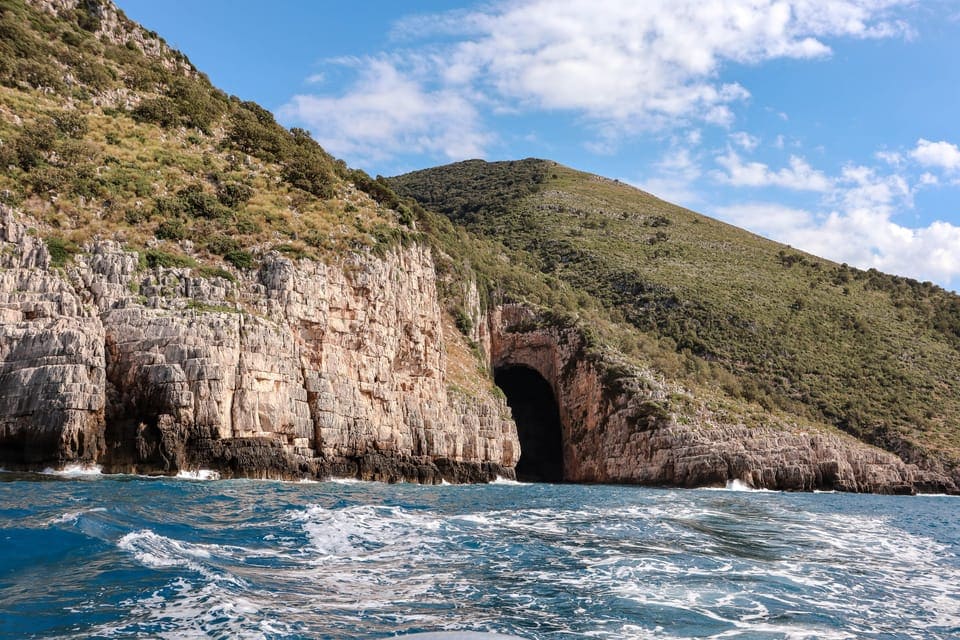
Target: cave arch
537 416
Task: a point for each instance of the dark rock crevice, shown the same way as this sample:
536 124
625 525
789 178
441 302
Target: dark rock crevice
537 417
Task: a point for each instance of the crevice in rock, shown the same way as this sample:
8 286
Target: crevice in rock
537 417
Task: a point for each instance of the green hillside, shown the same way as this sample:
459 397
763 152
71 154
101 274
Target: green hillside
106 132
873 354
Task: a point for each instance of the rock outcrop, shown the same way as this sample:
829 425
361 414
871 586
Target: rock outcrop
626 426
294 370
309 369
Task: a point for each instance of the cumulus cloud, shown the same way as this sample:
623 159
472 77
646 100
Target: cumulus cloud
618 64
675 178
941 155
744 140
387 113
799 175
858 227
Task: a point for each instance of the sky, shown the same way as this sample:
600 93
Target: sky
829 125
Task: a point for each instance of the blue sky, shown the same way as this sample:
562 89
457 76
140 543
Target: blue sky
831 125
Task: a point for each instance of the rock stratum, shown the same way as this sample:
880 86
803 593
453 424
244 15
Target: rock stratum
326 370
304 369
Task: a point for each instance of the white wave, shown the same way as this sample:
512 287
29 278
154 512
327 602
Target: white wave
502 480
368 532
736 485
160 552
188 609
73 470
198 474
73 516
459 635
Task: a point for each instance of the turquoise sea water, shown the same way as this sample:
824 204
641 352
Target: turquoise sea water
126 557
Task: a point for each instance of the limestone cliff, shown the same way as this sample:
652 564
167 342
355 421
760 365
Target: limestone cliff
623 425
292 370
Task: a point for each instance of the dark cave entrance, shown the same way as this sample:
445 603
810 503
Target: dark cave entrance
537 416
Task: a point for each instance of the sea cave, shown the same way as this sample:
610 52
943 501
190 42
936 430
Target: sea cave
537 417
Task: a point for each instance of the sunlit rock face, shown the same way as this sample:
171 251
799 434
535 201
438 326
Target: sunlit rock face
308 369
292 370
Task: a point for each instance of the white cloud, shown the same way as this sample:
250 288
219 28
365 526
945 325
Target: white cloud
799 175
892 158
620 64
744 140
643 61
942 155
859 228
387 113
675 177
768 219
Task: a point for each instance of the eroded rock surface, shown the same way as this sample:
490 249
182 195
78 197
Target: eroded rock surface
309 369
624 426
293 370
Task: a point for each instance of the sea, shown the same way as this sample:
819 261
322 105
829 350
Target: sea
85 555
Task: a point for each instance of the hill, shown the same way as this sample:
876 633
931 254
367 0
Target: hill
185 283
873 354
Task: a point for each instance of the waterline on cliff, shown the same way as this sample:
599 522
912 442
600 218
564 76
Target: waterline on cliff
198 474
75 470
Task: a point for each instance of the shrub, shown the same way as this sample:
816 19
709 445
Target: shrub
154 258
71 124
172 229
247 224
198 203
463 321
234 194
161 111
223 245
254 131
61 251
240 259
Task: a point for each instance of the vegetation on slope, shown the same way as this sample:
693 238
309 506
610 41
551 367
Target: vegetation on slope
873 354
107 132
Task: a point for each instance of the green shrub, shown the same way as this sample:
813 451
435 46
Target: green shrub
154 258
222 245
215 272
240 259
161 111
253 130
246 224
234 194
61 251
71 124
463 321
171 229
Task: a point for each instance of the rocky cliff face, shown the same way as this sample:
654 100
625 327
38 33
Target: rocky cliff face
294 370
309 369
627 426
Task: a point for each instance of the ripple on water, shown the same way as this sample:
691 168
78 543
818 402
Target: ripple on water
371 560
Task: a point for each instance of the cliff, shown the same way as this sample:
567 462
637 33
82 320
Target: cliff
621 424
291 370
